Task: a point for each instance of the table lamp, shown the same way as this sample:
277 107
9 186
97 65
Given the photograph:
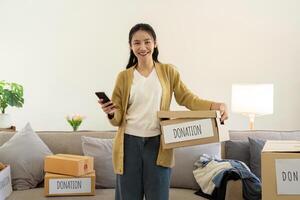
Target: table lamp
252 100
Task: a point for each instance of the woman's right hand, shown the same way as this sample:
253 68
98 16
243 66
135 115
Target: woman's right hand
109 107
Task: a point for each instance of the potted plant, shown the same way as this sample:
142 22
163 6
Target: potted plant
75 121
11 94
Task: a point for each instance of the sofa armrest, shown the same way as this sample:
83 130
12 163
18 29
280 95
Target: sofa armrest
234 190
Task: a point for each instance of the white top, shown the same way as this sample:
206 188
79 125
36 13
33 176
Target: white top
144 102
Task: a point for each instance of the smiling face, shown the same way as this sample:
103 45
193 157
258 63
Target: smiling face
142 45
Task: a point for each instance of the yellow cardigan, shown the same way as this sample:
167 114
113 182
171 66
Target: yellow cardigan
170 82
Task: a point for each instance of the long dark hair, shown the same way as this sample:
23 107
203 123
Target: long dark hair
144 27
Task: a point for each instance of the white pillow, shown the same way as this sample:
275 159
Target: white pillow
185 157
25 153
101 150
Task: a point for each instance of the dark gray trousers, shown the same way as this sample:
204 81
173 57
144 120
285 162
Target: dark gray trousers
141 174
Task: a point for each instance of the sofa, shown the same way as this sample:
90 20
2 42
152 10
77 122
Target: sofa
71 143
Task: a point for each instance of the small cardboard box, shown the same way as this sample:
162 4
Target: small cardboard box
187 128
5 182
280 170
64 185
67 164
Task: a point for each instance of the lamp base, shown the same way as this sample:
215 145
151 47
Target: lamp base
251 121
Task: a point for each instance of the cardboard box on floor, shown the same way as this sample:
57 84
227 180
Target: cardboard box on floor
64 185
67 164
5 182
188 128
280 170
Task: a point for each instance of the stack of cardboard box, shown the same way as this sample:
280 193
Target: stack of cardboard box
5 181
69 175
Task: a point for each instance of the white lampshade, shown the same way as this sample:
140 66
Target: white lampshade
252 99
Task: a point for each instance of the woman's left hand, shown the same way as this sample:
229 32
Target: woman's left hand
222 108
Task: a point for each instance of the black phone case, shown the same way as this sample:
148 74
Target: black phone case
102 95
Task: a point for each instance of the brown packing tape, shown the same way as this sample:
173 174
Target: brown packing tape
72 156
67 157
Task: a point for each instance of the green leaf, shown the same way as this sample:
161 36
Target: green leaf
10 94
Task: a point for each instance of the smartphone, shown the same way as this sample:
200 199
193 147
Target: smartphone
103 96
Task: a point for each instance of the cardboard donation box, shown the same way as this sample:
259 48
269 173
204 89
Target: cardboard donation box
5 181
69 175
66 164
64 185
280 170
187 128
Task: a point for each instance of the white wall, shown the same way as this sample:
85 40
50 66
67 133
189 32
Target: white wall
62 51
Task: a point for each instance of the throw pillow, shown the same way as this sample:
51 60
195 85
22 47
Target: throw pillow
25 153
256 146
185 157
238 150
101 150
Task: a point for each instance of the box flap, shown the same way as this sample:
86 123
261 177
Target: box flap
187 114
282 146
223 130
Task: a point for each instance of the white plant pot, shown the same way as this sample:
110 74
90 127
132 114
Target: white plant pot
5 121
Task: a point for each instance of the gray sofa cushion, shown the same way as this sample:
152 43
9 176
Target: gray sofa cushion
260 134
25 153
256 146
265 134
70 142
67 142
101 150
185 157
238 150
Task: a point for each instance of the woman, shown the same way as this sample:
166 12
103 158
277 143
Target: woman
145 87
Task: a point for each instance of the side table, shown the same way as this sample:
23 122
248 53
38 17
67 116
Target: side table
11 129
